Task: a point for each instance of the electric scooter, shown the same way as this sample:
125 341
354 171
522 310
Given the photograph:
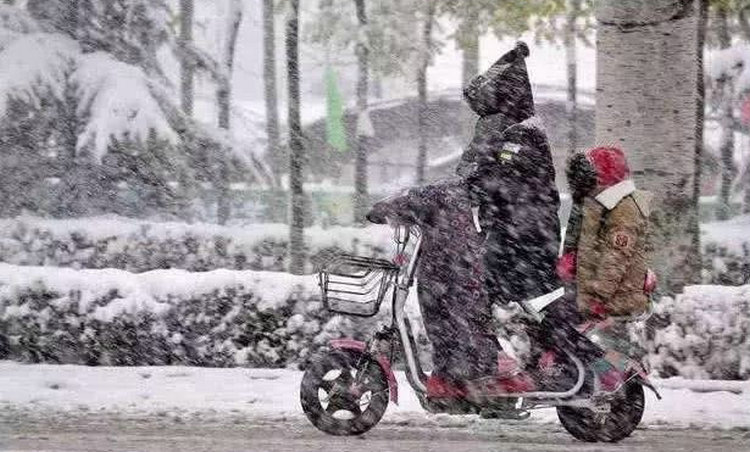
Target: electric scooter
346 389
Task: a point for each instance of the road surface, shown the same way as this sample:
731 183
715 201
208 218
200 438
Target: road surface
33 431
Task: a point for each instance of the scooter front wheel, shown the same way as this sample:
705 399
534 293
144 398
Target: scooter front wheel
626 412
344 392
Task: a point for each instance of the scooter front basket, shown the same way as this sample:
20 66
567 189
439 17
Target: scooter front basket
356 285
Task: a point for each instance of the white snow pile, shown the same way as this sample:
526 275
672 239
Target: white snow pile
267 394
111 317
137 246
115 97
705 334
732 62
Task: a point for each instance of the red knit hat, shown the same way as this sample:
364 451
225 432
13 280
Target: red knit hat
610 165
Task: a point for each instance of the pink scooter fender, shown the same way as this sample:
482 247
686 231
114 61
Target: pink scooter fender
385 365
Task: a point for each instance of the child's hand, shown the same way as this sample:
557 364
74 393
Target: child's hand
566 267
649 284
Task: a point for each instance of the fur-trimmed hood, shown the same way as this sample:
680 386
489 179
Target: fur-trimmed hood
612 196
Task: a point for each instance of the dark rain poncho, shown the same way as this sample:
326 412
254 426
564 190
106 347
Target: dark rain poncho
509 168
451 290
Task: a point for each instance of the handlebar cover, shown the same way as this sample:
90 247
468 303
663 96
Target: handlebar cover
395 209
377 215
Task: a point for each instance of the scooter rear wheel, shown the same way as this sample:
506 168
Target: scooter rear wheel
344 392
626 412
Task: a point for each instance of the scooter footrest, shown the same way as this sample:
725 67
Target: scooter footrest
449 405
510 414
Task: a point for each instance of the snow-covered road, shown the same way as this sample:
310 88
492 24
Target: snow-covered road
115 433
48 407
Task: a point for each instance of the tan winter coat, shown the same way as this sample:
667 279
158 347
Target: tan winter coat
612 260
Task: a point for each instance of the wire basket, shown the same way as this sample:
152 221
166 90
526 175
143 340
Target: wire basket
356 285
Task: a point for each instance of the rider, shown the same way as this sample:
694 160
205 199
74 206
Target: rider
508 166
507 248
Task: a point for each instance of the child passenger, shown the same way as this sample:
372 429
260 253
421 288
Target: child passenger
605 252
605 245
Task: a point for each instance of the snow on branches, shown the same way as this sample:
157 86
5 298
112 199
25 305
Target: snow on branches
33 61
14 21
118 100
115 97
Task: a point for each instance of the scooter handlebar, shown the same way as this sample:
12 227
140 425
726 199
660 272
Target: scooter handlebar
376 216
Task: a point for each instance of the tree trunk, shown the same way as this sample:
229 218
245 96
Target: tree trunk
70 100
187 70
187 99
647 55
469 43
269 81
426 43
71 200
744 26
744 23
571 32
377 87
224 101
72 18
700 112
361 201
296 146
726 147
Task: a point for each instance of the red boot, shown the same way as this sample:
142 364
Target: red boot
494 387
507 366
521 382
510 379
440 388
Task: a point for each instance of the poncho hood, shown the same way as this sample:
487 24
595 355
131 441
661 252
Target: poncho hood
504 89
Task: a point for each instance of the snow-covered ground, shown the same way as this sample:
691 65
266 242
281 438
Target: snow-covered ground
268 394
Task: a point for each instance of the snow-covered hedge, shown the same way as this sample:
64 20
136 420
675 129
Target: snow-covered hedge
139 246
266 319
112 317
703 333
